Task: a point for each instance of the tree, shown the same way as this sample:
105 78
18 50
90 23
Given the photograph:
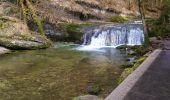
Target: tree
165 12
142 15
26 7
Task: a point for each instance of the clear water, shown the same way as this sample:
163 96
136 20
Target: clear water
58 73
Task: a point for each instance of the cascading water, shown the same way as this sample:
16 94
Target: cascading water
113 36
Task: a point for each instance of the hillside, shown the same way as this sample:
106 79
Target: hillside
57 11
83 10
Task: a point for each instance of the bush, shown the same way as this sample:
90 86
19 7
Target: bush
155 28
118 19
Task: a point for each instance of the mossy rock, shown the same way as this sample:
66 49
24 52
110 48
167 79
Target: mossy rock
118 19
21 44
131 68
14 34
94 89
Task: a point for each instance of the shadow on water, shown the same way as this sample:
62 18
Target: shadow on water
58 74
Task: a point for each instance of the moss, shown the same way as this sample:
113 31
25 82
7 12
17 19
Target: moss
26 7
118 19
122 47
130 69
35 17
22 44
23 10
140 50
94 89
73 30
2 25
128 65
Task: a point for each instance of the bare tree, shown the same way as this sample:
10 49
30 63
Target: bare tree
26 7
142 15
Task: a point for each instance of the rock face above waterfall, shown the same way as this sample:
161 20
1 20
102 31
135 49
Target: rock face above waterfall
114 35
80 10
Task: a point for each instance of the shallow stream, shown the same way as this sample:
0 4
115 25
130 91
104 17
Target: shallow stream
59 73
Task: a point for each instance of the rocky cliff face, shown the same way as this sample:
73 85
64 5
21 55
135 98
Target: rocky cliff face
57 11
14 34
82 10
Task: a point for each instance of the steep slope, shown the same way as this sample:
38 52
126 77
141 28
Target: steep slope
82 10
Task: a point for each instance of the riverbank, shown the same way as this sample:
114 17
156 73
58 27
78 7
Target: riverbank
124 89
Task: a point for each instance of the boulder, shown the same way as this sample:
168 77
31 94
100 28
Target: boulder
153 39
94 89
14 34
3 50
87 97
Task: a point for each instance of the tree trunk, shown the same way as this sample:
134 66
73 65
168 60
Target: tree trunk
142 15
26 4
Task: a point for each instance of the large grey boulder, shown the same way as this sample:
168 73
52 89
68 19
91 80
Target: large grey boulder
3 50
14 34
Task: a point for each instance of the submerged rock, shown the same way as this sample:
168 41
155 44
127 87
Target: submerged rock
3 50
87 97
94 89
14 34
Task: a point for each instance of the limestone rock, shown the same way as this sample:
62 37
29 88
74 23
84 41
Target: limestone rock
153 39
14 34
3 50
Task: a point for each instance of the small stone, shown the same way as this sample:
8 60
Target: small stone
93 89
153 39
87 97
4 50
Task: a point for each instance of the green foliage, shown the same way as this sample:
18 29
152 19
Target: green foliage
160 27
156 28
146 42
130 69
26 7
23 10
35 17
118 19
95 89
165 13
140 50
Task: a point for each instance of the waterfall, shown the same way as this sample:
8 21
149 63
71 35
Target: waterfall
113 36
